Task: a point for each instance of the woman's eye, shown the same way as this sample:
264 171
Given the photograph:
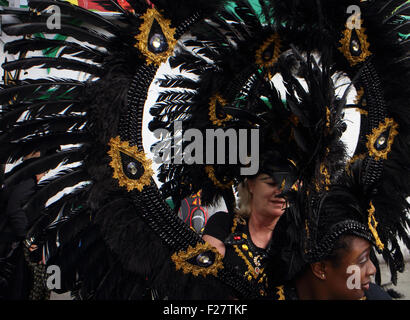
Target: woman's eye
364 260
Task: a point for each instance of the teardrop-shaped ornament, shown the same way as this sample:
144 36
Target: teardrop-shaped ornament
355 47
132 169
156 39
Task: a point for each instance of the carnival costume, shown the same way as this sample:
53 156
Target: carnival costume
113 236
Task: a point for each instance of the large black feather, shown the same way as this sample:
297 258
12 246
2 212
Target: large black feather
76 198
78 12
78 33
69 48
16 150
51 187
11 113
60 123
58 63
38 89
42 164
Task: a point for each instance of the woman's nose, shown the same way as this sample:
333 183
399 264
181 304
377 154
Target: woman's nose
371 270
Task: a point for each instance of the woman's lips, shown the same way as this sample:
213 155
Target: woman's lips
279 203
366 286
280 200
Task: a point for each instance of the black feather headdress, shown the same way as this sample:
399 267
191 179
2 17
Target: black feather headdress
296 133
369 197
114 224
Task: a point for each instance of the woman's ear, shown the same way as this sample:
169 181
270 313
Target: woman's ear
250 185
319 269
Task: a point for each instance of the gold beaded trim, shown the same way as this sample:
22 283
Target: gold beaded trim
372 226
280 292
276 51
327 118
364 45
307 229
117 146
376 132
237 219
212 110
359 96
325 173
358 101
210 171
142 37
282 186
354 159
251 270
181 258
361 111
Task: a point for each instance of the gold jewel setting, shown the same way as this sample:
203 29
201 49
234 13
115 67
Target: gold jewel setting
201 252
380 141
267 58
213 115
355 49
116 148
163 42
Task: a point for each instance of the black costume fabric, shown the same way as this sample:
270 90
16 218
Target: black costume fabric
288 292
113 235
248 259
17 277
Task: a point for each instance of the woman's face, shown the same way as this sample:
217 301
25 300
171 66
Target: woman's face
350 276
264 192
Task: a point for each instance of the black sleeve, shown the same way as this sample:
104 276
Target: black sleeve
14 211
375 292
219 225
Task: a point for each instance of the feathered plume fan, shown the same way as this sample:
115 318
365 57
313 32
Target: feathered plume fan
113 235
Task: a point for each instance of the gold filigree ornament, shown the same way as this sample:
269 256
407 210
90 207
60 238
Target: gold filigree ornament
360 101
372 226
355 46
326 175
325 181
210 171
352 160
380 141
280 292
359 96
268 54
156 39
131 167
201 260
327 118
216 113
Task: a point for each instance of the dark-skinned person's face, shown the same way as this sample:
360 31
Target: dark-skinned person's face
349 276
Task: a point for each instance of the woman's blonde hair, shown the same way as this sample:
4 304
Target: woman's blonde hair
244 199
